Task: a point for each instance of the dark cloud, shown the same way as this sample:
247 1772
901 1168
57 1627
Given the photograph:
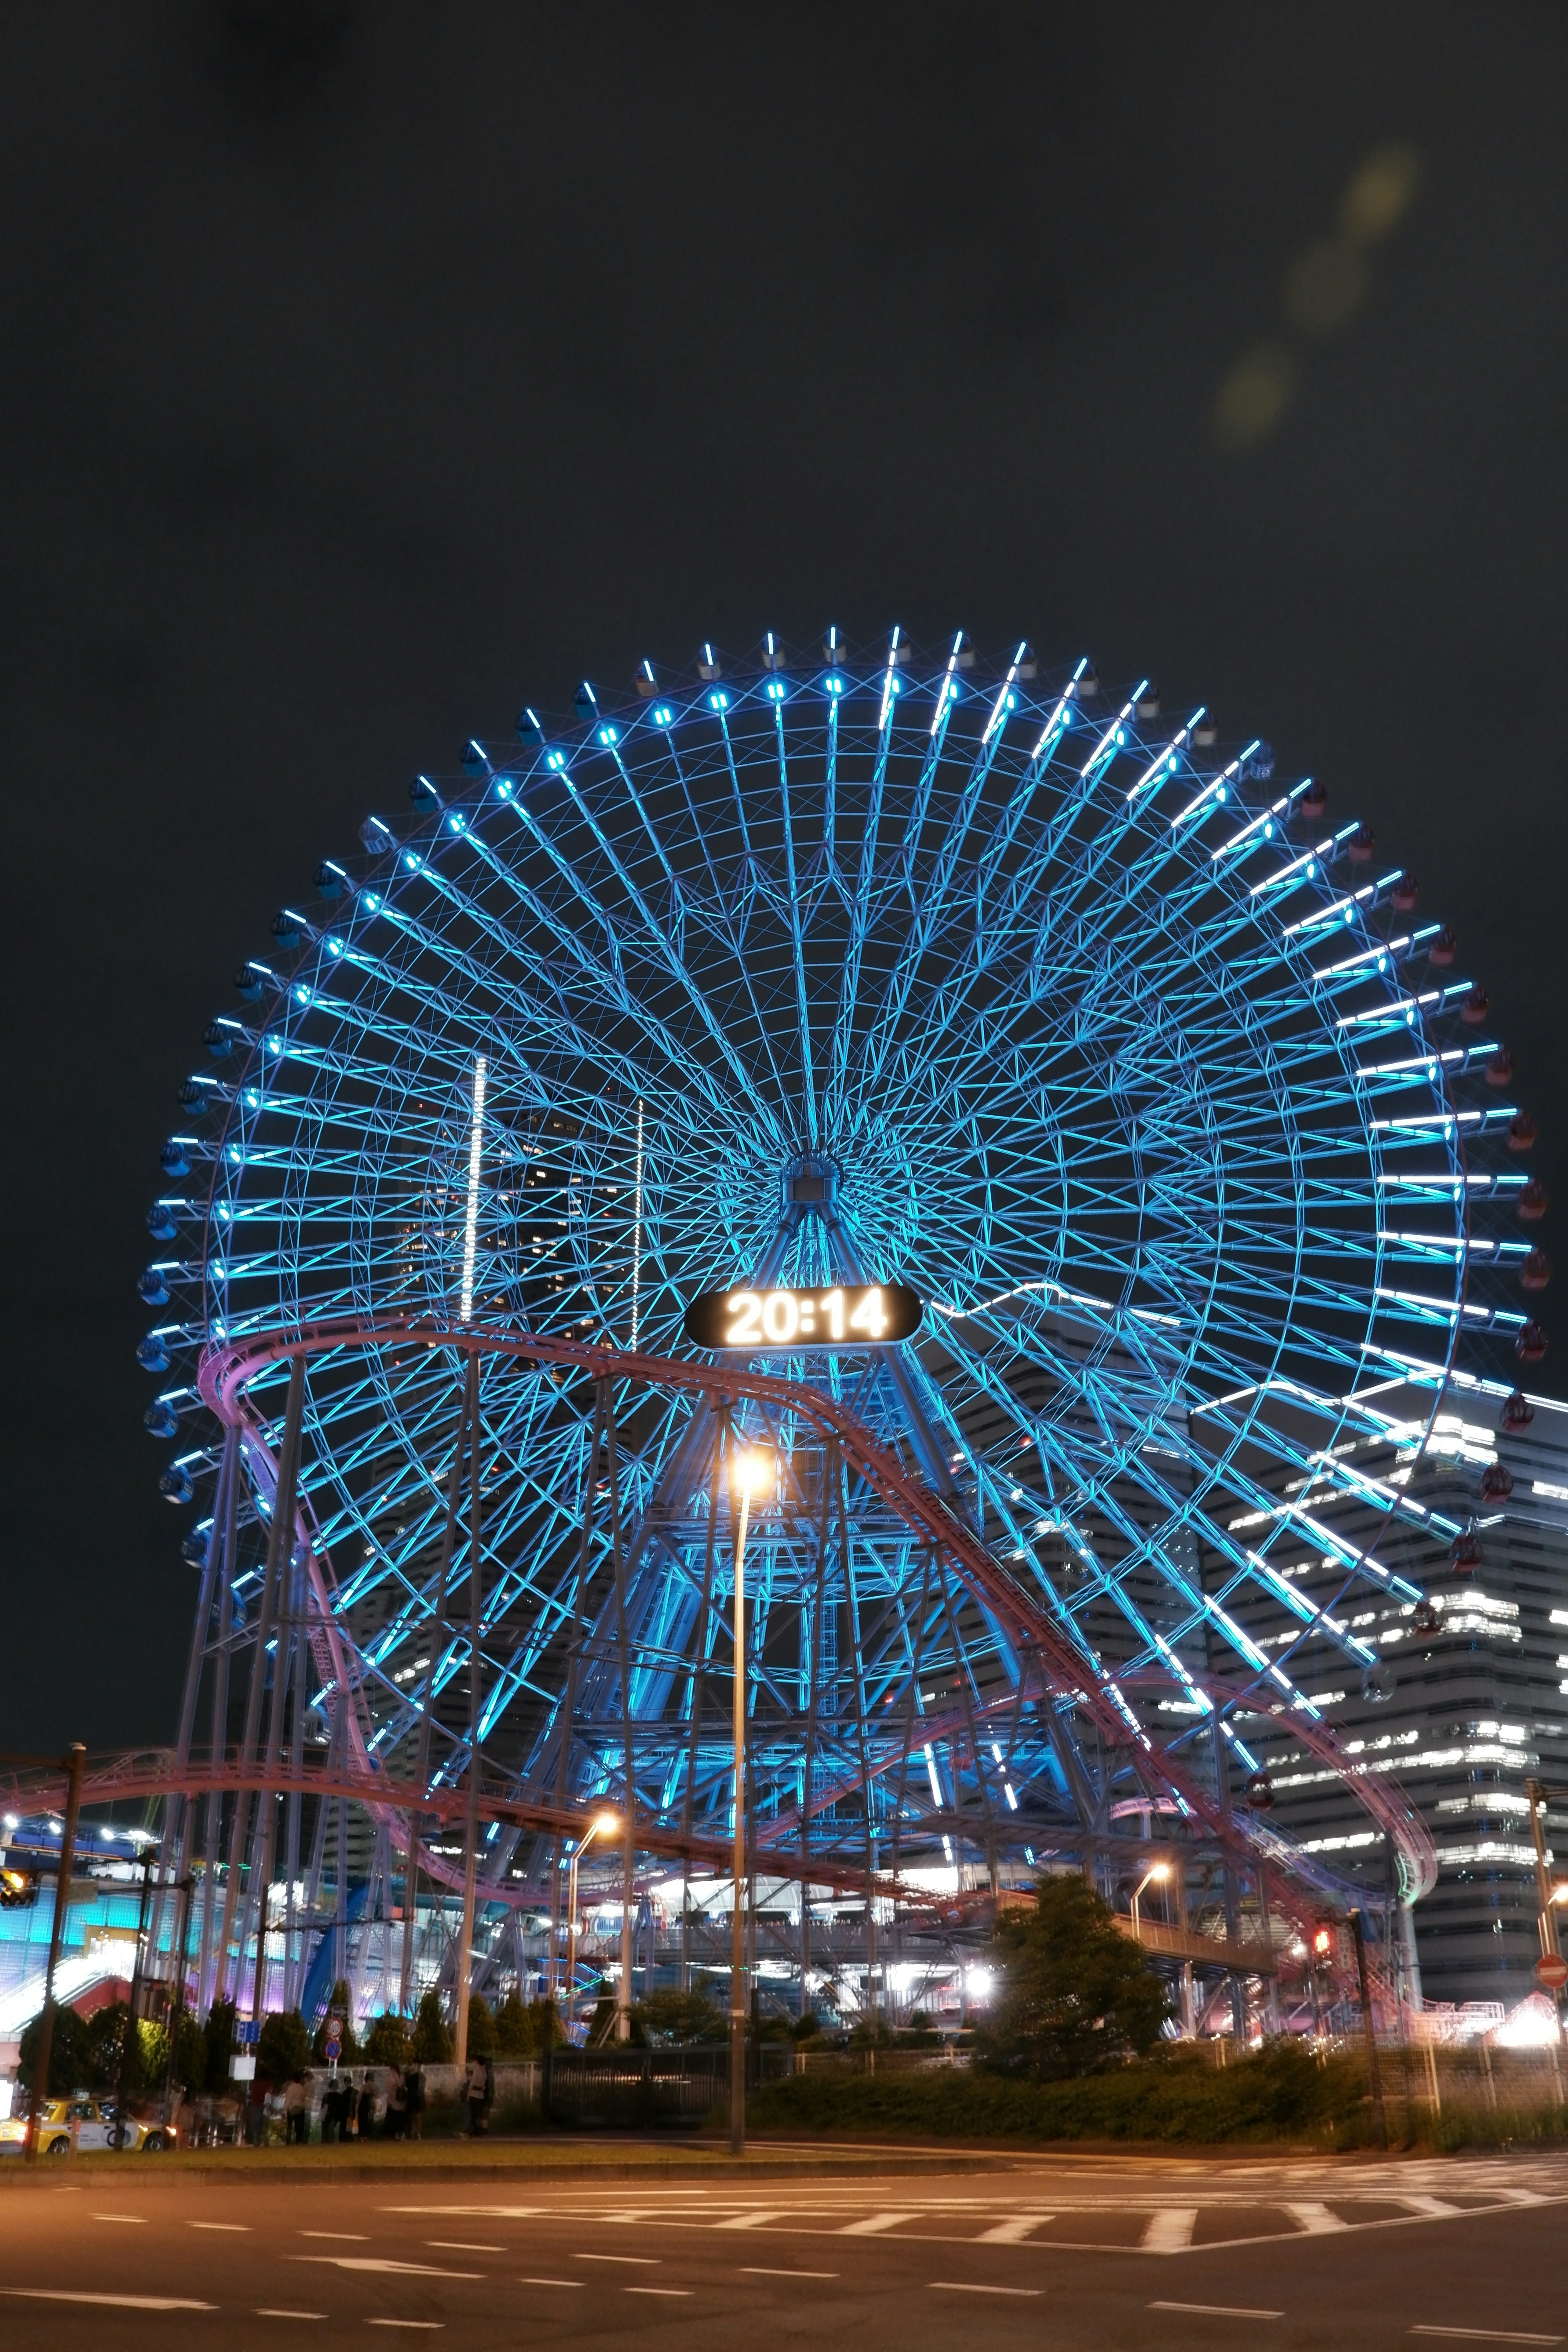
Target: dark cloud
370 367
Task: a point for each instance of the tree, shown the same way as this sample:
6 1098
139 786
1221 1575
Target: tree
432 2043
284 2047
70 2056
516 2031
481 2028
1077 1995
388 2042
219 2033
340 2007
672 2016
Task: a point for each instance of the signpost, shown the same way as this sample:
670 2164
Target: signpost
1552 1971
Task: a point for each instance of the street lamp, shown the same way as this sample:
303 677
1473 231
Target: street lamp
600 1827
753 1473
1160 1869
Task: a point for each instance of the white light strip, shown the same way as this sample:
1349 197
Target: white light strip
636 1229
470 1229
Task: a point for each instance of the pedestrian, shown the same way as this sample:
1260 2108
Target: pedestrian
475 2098
490 2088
414 2098
396 2104
366 2116
296 2113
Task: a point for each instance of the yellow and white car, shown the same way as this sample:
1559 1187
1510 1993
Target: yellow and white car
83 2123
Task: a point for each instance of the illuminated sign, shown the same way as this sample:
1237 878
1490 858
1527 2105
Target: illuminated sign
873 1314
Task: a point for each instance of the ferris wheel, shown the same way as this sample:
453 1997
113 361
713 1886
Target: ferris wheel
804 978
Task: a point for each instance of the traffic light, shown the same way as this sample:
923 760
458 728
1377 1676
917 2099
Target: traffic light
18 1889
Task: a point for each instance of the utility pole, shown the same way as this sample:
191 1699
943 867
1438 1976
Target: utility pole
75 1757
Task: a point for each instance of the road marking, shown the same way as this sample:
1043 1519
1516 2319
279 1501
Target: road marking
116 2301
490 2212
1219 2310
1170 2232
658 2290
140 2219
1486 2335
381 2263
1437 2208
873 2224
646 2260
533 2282
406 2322
465 2245
1014 2231
967 2286
1314 2219
346 2237
266 2311
755 2270
244 2226
754 2221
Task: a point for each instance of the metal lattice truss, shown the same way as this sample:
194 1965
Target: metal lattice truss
1106 1041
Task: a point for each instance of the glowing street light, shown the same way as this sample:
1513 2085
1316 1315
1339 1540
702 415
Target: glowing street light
1160 1869
601 1826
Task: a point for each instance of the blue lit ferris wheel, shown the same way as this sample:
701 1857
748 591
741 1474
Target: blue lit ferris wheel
831 970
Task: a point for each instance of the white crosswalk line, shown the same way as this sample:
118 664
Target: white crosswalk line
753 2220
873 2223
1012 2231
1170 2231
1437 2207
1315 2218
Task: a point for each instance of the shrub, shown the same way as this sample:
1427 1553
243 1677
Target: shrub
341 2006
673 2016
388 2042
284 2047
70 2054
1281 2092
523 2028
432 2043
482 2027
218 2033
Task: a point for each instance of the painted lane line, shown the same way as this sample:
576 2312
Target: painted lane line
874 2224
381 2263
535 2282
1219 2310
345 2237
466 2245
967 2286
1486 2335
1170 2232
489 2212
406 2322
115 2302
648 2262
660 2290
1013 2232
1314 2219
755 2219
140 2219
244 2226
755 2270
269 2311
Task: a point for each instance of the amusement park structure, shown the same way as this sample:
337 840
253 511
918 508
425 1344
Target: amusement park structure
820 972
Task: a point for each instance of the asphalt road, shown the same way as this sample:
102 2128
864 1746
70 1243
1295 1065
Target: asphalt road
1077 2251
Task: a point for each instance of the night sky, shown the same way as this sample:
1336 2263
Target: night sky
369 369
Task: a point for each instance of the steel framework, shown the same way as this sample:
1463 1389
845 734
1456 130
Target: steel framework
1134 1065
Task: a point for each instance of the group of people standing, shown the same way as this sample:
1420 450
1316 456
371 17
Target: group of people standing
349 2111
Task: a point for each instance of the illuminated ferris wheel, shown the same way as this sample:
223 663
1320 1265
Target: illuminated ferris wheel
805 978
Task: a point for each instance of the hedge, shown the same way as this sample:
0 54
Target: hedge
1279 2092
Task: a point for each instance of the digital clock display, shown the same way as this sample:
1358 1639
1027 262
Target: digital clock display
873 1314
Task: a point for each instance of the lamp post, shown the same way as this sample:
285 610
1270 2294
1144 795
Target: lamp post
754 1471
1160 1869
600 1826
